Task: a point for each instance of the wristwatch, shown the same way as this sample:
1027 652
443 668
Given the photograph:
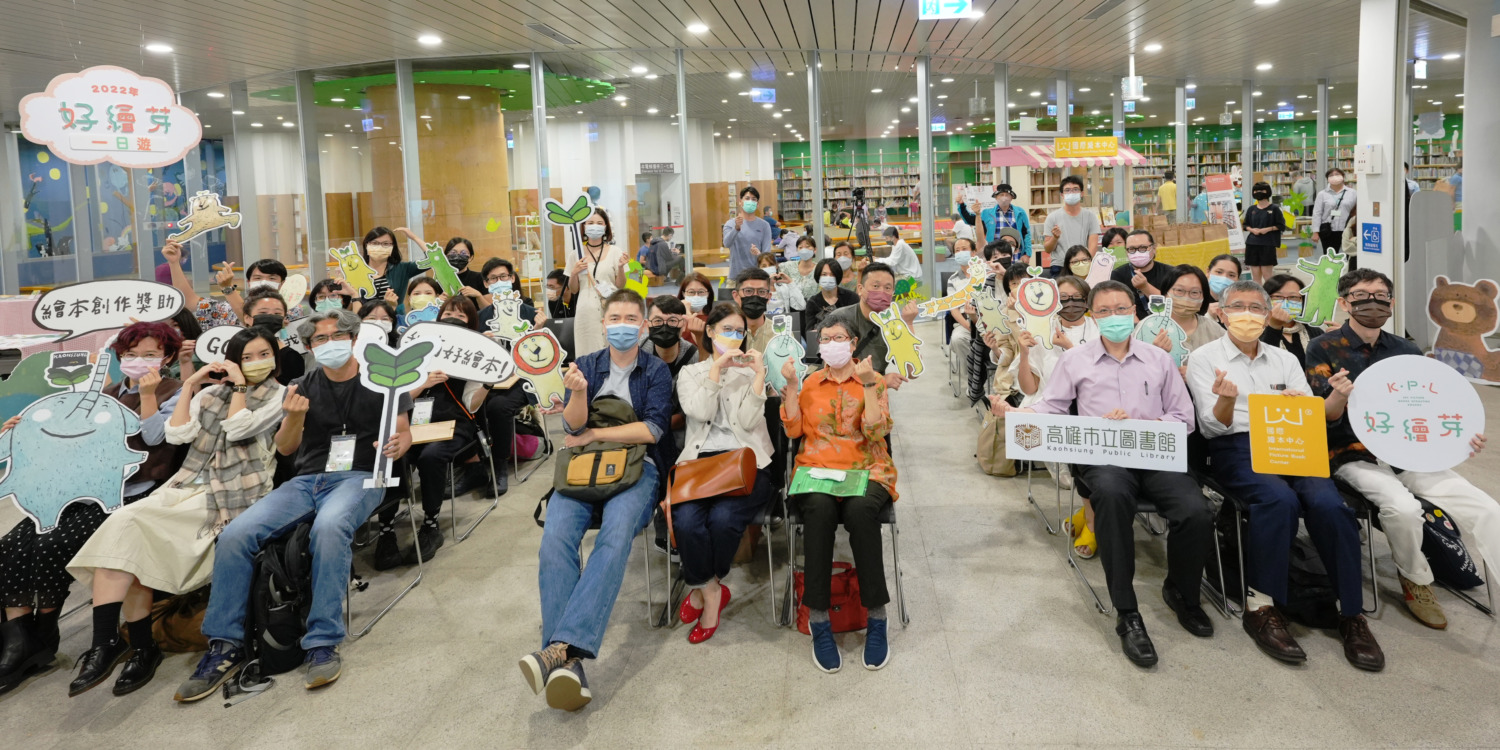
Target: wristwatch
239 388
231 289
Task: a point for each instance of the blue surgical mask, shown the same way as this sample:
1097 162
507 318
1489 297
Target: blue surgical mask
501 287
622 336
1292 307
333 354
1217 284
806 253
827 282
1116 328
962 258
696 302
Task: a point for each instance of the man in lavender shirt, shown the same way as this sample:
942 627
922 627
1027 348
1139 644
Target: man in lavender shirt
1117 377
746 235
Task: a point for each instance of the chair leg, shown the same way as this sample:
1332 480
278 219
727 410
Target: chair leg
771 573
1073 562
1239 545
348 615
1218 596
536 462
1031 498
789 608
896 559
1374 610
485 456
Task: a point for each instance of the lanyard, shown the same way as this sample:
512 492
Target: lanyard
458 401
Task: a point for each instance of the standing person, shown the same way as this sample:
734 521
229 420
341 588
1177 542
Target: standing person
1334 362
165 542
746 234
1264 224
1069 225
1117 377
1457 181
1143 273
382 252
1331 211
724 398
1411 185
1166 195
843 417
1221 376
831 296
666 262
1198 210
576 601
1000 216
326 409
903 260
597 273
877 288
1303 183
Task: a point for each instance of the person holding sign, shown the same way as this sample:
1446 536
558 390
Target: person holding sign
877 287
1118 377
1334 361
1221 376
594 276
842 415
392 275
329 426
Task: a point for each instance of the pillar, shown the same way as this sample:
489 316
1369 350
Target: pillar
815 144
315 210
1321 102
1179 159
1002 117
1247 137
1382 122
924 173
1125 176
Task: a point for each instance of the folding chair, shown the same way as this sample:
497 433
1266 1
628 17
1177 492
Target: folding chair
535 462
358 584
1031 498
486 458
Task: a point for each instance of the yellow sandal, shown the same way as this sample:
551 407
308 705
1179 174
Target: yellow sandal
1084 543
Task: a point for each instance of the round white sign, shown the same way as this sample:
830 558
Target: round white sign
1415 413
210 347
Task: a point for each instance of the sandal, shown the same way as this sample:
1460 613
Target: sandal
1085 545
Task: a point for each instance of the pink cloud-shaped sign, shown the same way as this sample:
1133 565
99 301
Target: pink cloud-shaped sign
108 113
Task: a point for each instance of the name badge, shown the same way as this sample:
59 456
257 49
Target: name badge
340 454
421 410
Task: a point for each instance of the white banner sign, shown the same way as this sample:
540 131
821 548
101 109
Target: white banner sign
1096 441
463 353
1415 413
1221 208
210 347
108 113
90 306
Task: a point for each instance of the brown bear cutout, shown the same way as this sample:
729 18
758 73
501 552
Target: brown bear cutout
1465 314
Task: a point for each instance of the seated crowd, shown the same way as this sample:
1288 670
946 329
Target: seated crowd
245 450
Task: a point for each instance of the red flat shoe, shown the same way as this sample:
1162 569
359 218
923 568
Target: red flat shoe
687 612
700 633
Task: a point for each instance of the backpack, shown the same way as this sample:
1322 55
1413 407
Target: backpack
1311 597
280 599
845 611
1445 551
526 443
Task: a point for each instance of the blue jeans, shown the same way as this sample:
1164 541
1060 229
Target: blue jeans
337 503
576 601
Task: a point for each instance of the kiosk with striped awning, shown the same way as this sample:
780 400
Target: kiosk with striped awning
1042 157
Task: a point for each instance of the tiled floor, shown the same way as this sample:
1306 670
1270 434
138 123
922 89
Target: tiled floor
1002 651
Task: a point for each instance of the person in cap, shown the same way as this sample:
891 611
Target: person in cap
1001 215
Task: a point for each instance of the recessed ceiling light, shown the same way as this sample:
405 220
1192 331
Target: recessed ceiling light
876 91
697 28
1084 90
1036 93
1459 95
1452 56
256 125
1302 96
942 96
766 106
717 133
521 66
1299 114
336 100
734 119
1266 2
237 112
1153 116
215 95
723 101
159 48
1437 103
431 40
736 75
1263 66
906 109
776 114
790 73
1153 47
579 112
464 97
638 69
786 109
1145 98
1351 106
1255 93
426 117
1095 112
947 80
619 98
1012 105
651 111
652 76
1238 111
898 122
1191 87
1281 104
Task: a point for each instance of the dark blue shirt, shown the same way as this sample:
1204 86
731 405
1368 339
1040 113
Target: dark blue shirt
1343 349
650 395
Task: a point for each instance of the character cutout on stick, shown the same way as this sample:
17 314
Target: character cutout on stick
442 270
1103 264
392 373
902 347
357 273
293 290
635 279
990 311
539 359
77 434
1159 323
977 271
783 347
507 323
1036 303
1320 298
205 214
1464 314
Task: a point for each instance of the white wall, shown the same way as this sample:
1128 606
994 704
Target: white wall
278 162
1481 142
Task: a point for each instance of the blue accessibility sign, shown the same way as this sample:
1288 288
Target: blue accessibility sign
1369 238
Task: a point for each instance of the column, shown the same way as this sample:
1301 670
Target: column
682 145
85 223
238 153
13 238
1322 104
1383 122
1481 229
924 174
314 209
1002 117
192 182
539 125
1179 159
1247 137
1064 124
815 143
1124 176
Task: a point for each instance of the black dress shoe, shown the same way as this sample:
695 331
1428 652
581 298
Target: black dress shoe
97 664
139 670
387 552
22 655
1191 617
1134 641
1267 627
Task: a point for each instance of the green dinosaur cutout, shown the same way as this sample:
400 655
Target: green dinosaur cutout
441 269
1320 298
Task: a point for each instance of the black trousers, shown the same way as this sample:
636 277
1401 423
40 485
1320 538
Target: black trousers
1115 493
821 515
34 567
433 460
500 409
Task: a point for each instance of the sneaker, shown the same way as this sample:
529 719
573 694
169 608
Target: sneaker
567 687
537 666
429 538
323 666
387 552
216 666
1423 605
877 648
825 650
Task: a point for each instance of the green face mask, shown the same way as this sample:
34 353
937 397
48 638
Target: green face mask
328 303
1116 328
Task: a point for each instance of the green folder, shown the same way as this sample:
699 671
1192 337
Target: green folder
852 484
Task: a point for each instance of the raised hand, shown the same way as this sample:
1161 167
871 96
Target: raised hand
789 373
1138 279
574 380
1223 387
391 298
10 424
1476 444
294 403
865 371
1061 340
1163 341
1027 340
233 371
225 275
185 350
1280 318
1340 383
149 381
434 378
757 362
172 252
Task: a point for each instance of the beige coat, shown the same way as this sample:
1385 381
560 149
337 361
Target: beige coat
702 399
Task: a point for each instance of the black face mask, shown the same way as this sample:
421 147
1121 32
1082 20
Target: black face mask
459 261
1072 311
1370 313
460 322
664 335
269 322
754 307
1261 196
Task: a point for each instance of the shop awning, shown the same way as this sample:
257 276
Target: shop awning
1041 157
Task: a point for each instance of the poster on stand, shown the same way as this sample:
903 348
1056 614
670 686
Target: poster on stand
1222 209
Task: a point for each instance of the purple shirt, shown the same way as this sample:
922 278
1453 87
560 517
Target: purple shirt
1146 385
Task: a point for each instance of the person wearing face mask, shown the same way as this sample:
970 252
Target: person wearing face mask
383 316
798 269
331 426
1282 331
746 235
665 322
959 318
576 601
696 292
1332 209
843 254
330 294
1009 240
831 296
392 275
1070 225
1077 262
1221 376
266 309
1263 224
1334 362
842 414
903 260
786 297
460 253
1143 273
595 275
34 581
877 289
559 300
1188 291
1002 215
499 277
165 541
754 295
421 293
1117 377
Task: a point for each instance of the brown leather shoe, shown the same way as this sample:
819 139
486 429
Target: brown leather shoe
1267 627
1360 647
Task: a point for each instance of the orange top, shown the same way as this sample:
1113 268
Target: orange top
834 433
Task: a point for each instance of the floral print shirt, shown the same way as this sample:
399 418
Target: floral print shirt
834 433
1343 349
214 312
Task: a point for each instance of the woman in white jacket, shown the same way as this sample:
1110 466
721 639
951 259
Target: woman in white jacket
724 398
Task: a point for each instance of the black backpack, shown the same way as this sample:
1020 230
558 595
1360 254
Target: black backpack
1311 597
280 599
1445 551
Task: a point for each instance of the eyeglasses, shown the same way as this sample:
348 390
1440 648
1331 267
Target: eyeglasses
837 338
496 278
1113 311
1361 297
1295 298
1256 308
322 339
1072 191
1195 294
733 333
672 320
762 293
1138 248
1066 300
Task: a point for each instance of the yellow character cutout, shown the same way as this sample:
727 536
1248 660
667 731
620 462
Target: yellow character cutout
977 272
538 358
901 345
355 270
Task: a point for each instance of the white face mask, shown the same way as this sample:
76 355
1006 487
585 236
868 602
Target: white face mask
384 325
1072 199
593 231
263 284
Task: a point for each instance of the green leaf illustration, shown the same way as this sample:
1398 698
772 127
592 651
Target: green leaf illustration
63 377
393 372
580 209
375 355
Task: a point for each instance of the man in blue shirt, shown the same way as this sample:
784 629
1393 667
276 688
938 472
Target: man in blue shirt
1457 181
577 600
771 220
1000 216
746 235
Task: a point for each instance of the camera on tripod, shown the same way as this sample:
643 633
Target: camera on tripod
859 197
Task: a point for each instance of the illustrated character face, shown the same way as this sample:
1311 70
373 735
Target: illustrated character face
537 353
1038 297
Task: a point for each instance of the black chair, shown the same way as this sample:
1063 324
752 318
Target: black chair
562 328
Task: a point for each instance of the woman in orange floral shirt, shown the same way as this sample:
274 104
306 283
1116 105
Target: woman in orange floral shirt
843 418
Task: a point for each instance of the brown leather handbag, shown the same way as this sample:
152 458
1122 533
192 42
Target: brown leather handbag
728 474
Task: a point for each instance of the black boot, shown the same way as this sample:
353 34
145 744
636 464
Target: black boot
387 553
429 538
97 664
138 670
23 654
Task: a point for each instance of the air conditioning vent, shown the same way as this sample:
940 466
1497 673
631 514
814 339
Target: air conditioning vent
1101 9
551 33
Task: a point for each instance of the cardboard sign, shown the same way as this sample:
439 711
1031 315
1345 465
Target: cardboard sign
569 217
39 375
427 314
205 214
1036 303
902 347
1221 208
990 312
783 347
462 353
1160 319
91 306
1465 314
1288 435
1102 265
442 270
1415 413
77 434
507 324
357 273
293 290
977 271
1320 297
539 358
108 113
210 348
391 373
1096 441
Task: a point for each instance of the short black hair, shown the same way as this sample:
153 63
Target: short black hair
1330 172
1111 233
369 306
1275 283
1014 273
629 296
1188 269
267 267
464 305
494 263
668 304
1360 276
645 236
1239 268
260 294
377 233
750 190
187 324
752 274
876 267
456 241
1169 175
993 249
1260 186
558 275
234 349
667 232
329 286
830 266
1071 179
1136 232
1107 286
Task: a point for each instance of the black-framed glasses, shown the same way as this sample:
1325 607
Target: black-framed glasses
1362 297
322 338
762 293
671 320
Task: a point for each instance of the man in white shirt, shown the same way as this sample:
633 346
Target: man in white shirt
963 230
1221 375
902 260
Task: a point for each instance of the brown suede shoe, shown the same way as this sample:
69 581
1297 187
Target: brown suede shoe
1267 627
1360 647
1422 605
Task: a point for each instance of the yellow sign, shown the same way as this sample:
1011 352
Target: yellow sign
1288 435
1085 148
